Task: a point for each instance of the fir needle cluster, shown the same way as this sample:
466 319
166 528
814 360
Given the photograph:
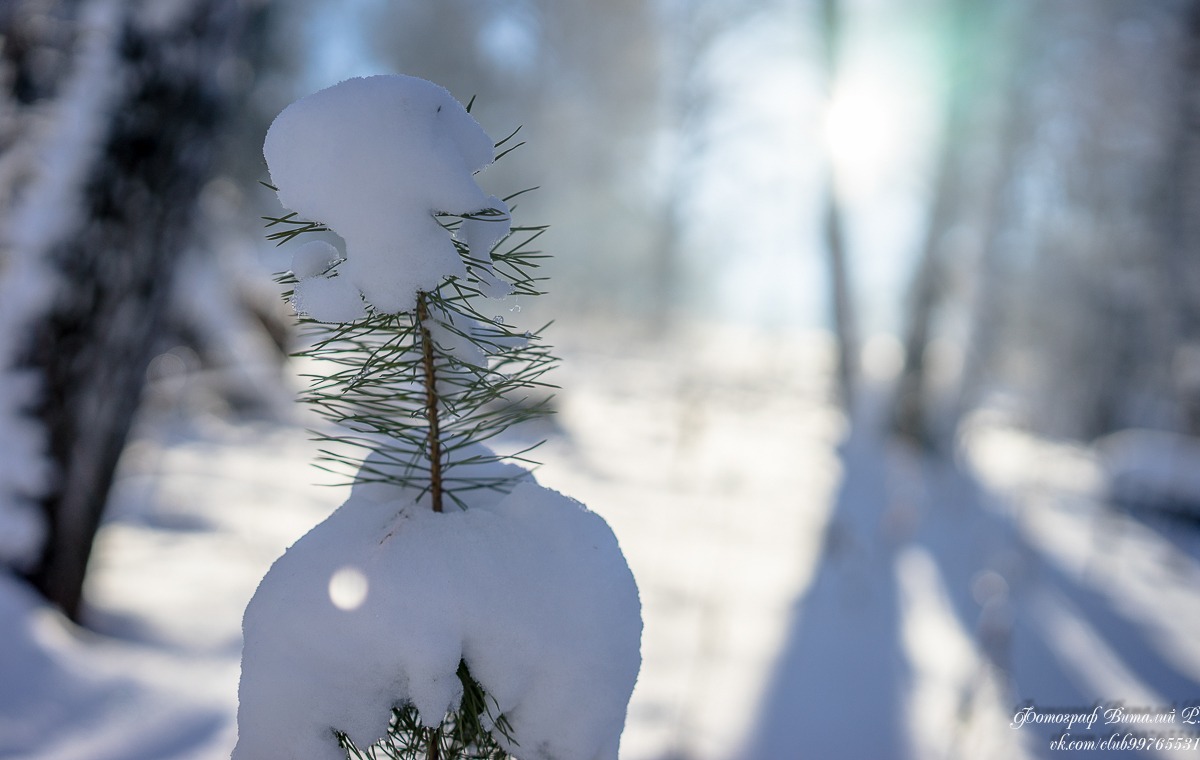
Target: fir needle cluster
467 733
409 388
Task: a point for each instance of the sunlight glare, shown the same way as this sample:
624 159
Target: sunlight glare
348 588
861 135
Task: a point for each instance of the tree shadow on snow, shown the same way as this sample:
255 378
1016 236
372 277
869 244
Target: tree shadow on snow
1049 633
841 685
838 683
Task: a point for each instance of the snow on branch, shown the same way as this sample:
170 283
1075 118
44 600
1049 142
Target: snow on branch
377 159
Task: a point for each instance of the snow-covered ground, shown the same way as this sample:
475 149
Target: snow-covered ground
949 593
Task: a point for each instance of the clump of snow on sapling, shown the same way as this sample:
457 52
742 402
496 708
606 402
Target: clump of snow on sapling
376 159
529 590
509 621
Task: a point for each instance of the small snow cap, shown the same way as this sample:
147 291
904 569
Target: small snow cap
375 159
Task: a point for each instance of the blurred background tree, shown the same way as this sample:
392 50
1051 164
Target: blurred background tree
116 116
1059 223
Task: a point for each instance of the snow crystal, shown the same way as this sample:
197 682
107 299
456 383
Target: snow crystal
325 299
313 258
452 332
469 340
375 159
377 605
329 299
481 234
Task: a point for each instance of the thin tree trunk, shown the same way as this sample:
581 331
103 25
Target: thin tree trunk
843 308
989 315
429 378
1180 281
841 300
910 413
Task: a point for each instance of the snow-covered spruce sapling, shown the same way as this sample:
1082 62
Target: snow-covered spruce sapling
452 606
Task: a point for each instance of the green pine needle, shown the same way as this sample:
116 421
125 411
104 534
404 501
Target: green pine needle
468 732
375 385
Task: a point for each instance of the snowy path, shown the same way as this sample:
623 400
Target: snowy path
947 594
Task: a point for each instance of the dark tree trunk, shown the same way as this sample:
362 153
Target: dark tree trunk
1181 281
843 308
988 314
910 412
94 344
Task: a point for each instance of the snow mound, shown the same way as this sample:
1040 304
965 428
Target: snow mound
375 159
376 606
